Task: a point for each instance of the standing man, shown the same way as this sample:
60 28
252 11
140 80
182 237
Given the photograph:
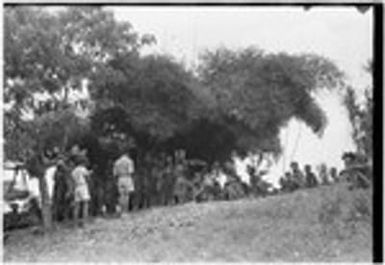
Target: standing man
111 194
297 175
123 170
311 179
169 180
181 185
334 175
80 175
63 191
146 181
160 179
324 174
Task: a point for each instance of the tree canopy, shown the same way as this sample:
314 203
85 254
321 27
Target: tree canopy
53 52
154 92
237 100
255 93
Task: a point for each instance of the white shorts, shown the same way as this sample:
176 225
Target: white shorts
82 194
125 185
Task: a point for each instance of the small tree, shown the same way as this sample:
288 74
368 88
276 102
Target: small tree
52 129
361 118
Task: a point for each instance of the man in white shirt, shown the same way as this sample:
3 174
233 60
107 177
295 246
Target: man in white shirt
123 170
81 190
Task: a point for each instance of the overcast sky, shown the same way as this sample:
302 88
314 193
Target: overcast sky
340 33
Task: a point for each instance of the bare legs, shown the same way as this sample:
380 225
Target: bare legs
124 202
80 210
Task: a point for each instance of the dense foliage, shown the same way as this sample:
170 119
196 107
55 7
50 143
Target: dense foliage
361 117
256 93
237 100
52 53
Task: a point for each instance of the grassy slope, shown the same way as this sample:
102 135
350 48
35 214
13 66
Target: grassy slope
279 228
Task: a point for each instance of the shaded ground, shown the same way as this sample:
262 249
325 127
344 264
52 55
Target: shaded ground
279 228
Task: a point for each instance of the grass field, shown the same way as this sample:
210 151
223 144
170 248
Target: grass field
308 225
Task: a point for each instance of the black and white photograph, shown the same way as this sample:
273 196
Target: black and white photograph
191 132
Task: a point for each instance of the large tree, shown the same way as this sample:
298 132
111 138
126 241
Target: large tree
256 93
238 100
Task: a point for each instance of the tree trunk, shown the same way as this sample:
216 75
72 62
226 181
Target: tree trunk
45 204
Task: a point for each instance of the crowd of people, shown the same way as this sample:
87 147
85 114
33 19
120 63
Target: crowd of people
81 189
296 178
356 173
